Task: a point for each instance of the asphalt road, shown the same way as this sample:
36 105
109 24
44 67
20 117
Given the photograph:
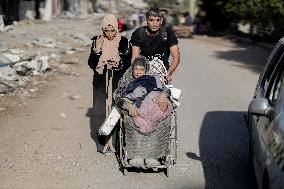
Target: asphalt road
40 148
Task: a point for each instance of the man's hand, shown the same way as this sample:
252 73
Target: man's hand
99 44
169 78
162 102
132 110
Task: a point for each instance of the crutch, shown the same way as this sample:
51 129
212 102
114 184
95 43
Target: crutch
109 77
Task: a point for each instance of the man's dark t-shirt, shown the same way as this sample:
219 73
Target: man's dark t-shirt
154 46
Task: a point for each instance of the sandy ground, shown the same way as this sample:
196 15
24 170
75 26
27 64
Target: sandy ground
45 139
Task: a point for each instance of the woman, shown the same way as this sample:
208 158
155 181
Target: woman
144 100
109 58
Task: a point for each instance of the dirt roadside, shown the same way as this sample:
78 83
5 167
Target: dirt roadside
45 135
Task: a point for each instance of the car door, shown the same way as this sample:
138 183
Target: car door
263 125
260 91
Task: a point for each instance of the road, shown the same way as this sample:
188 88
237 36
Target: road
45 141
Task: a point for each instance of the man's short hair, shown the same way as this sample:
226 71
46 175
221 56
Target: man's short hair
154 11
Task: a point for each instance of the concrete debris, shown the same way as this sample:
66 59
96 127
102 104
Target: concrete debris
40 63
9 83
8 74
9 80
16 51
36 66
71 96
12 57
11 76
30 15
55 57
2 109
5 88
4 59
45 42
21 68
86 41
14 71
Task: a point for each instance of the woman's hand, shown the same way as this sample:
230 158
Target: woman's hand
99 44
132 110
162 102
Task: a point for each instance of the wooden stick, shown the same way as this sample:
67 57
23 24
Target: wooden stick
108 108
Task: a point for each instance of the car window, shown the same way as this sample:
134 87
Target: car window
274 93
272 66
275 82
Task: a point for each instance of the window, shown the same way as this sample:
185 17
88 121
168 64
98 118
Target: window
272 65
275 81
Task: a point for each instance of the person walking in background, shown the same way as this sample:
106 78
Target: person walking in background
169 20
156 41
94 5
141 18
134 19
188 21
109 58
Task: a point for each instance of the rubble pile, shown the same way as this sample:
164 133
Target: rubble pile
31 51
16 68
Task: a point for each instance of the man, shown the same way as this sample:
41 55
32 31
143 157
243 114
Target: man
154 40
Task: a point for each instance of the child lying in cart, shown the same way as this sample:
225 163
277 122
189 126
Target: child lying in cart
143 97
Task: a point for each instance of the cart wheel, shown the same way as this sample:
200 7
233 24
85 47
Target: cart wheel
125 172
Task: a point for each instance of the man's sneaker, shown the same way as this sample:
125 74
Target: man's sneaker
137 162
150 162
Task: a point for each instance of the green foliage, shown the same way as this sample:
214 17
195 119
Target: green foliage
266 17
216 14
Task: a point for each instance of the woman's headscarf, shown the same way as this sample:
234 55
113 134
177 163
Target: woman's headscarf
110 56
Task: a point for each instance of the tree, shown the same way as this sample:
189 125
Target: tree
266 17
216 14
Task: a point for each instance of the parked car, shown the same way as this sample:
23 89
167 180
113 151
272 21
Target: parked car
266 123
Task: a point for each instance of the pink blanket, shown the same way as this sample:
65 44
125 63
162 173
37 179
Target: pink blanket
150 113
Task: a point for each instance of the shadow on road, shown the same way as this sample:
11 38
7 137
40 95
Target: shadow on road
97 117
252 58
193 156
223 144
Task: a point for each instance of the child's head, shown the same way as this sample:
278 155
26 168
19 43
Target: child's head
139 66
